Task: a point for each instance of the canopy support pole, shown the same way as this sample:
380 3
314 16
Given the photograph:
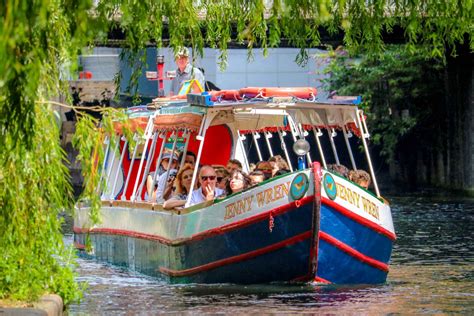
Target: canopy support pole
129 174
267 136
175 134
109 171
256 145
317 133
365 134
119 168
147 167
185 149
349 149
148 133
241 144
104 164
157 165
283 145
331 135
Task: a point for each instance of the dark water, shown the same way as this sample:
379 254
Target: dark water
431 272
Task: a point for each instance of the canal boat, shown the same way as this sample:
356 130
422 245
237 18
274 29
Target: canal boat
309 224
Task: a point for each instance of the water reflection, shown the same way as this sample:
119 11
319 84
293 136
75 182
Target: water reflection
431 273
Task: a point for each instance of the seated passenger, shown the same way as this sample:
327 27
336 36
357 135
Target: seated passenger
165 186
238 182
252 167
279 165
189 159
266 168
256 177
222 177
208 190
151 193
360 177
232 165
182 185
339 169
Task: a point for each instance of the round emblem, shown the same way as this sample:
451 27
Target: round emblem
330 186
299 186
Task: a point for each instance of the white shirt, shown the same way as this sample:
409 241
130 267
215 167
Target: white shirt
198 197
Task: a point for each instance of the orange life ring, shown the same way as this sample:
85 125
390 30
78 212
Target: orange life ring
266 92
229 95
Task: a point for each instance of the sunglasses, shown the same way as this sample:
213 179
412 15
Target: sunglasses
219 179
187 177
204 178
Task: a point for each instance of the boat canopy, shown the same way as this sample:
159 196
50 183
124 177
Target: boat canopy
252 116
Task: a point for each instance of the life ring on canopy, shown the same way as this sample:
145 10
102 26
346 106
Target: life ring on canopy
267 92
228 95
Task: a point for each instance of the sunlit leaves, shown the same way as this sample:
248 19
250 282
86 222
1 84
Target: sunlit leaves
35 188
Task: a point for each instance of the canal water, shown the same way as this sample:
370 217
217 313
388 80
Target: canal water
431 272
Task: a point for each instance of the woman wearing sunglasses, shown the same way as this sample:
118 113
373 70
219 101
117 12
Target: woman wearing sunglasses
182 185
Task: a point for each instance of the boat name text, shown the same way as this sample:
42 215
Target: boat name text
263 198
357 200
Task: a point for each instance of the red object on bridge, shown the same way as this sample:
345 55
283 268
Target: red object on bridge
85 75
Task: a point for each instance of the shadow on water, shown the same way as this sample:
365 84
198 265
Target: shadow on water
431 272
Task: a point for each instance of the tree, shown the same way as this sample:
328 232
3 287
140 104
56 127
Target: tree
39 38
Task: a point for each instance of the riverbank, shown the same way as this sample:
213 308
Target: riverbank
47 305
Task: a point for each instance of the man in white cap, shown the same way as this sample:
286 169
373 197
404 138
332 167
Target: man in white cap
185 71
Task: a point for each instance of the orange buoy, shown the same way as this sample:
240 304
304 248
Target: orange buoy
229 95
267 92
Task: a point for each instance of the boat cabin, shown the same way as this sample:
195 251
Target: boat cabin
228 125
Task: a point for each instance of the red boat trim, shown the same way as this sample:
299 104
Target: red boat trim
202 235
321 280
354 253
238 258
359 219
316 225
122 232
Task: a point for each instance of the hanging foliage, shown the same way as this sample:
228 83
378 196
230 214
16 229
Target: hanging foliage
397 87
39 43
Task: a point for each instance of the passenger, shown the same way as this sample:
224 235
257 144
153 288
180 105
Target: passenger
266 168
151 193
232 165
182 185
208 190
190 158
279 165
252 167
360 177
238 182
339 169
222 177
256 177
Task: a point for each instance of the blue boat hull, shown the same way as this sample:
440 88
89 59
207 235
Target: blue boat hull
350 251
